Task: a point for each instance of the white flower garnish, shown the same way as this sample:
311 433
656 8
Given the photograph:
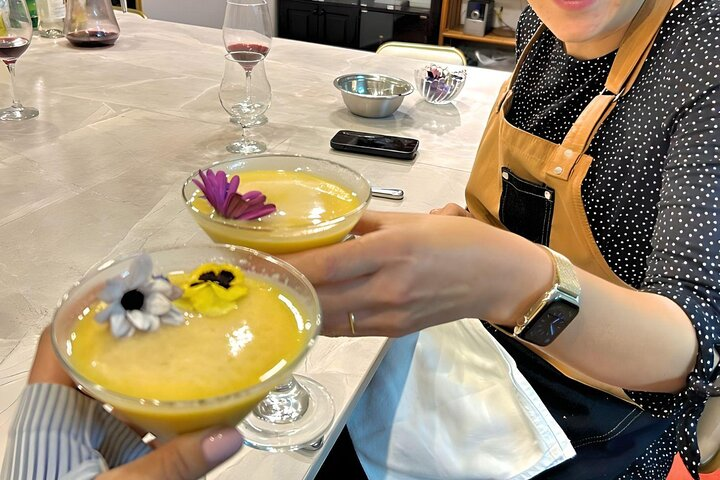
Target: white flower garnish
139 301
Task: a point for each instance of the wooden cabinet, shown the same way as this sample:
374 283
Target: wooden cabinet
377 27
451 28
362 24
338 25
317 22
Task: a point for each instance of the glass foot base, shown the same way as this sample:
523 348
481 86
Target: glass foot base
18 113
246 147
305 432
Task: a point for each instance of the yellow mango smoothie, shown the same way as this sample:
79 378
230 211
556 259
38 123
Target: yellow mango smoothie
312 209
232 347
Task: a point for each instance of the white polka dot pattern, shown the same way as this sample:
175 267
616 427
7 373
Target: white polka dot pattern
651 194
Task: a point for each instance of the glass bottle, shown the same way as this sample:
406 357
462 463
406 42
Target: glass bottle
32 8
51 18
91 23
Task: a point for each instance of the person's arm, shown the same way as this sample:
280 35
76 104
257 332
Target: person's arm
60 433
407 272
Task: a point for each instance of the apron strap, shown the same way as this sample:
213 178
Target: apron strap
634 49
525 53
636 45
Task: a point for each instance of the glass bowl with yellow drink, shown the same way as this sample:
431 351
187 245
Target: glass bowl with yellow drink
280 204
318 202
183 339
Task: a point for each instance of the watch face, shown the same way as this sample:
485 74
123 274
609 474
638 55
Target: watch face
549 322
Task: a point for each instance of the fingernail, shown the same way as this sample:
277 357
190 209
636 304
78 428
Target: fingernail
220 445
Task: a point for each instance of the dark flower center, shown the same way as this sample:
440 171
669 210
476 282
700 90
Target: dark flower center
132 300
224 278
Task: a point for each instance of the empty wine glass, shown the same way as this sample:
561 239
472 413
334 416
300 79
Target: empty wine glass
243 100
15 36
247 28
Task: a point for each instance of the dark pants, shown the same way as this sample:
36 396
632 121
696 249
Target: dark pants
608 434
342 463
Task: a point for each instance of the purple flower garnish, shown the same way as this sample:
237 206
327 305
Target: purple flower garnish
226 200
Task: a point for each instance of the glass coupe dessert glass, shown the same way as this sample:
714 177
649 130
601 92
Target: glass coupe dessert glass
318 202
208 369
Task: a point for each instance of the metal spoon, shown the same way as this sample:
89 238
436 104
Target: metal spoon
389 193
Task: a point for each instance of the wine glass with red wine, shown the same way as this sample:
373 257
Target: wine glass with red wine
244 101
247 29
15 35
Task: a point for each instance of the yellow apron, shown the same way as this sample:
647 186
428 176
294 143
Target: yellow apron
561 168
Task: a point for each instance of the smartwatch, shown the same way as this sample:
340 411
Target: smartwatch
549 316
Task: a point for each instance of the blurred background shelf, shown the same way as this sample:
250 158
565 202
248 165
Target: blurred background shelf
492 37
452 14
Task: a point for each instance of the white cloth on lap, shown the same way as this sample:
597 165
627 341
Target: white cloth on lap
450 403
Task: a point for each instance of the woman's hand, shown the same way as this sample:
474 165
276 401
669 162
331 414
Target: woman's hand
410 271
46 367
452 210
186 457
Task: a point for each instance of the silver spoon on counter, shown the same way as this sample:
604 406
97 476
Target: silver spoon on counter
389 193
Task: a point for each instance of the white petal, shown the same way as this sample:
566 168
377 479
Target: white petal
139 272
154 322
176 292
114 290
113 308
173 317
119 326
139 319
156 304
159 285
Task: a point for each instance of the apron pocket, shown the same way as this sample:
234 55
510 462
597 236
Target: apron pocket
526 208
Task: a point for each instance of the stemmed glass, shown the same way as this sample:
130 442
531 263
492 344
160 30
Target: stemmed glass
241 99
247 28
15 36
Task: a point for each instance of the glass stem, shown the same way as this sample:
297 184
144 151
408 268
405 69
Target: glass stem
248 81
11 69
243 140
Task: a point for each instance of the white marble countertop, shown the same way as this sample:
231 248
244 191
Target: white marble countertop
120 128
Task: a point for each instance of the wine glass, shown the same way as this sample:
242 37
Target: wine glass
15 35
247 28
243 100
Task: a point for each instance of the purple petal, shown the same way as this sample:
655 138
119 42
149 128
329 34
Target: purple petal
251 194
237 207
200 185
229 195
258 212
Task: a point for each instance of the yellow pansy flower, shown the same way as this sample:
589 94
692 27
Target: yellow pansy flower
213 289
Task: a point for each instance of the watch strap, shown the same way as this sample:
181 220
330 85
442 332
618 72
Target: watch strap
565 282
565 277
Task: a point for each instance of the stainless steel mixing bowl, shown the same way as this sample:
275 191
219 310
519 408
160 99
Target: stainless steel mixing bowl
372 95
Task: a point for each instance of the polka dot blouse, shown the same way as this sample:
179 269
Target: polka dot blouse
651 194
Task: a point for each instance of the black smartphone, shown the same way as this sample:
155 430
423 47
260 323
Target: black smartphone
402 148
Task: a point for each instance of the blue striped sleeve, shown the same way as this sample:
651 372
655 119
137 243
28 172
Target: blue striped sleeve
59 433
